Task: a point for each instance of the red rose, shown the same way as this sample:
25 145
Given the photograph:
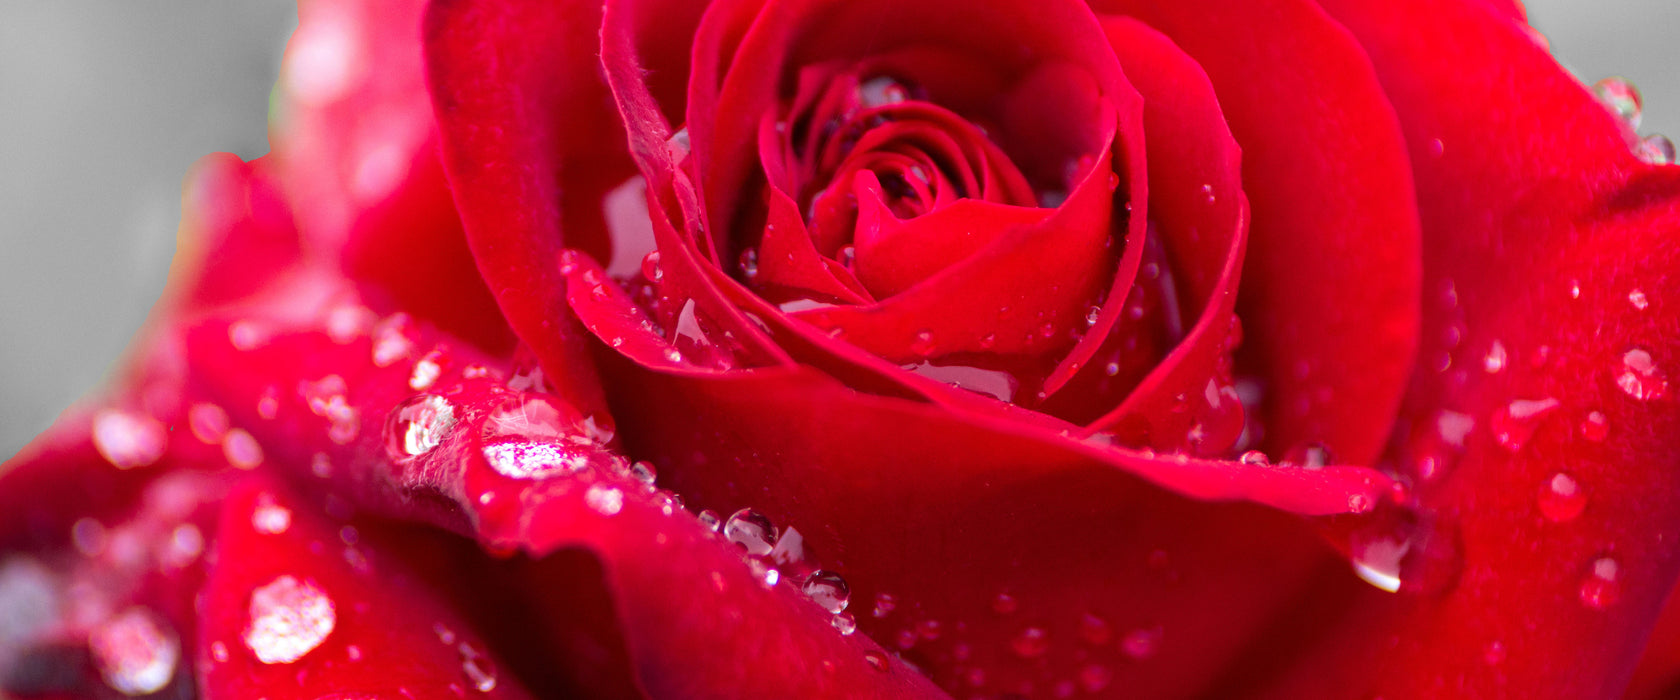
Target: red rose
820 348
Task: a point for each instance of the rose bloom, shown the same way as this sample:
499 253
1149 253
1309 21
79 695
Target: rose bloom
844 348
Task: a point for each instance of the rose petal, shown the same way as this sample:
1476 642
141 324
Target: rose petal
1331 194
495 142
296 601
1528 192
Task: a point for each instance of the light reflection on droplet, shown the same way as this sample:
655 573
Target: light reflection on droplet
128 439
135 651
289 618
418 425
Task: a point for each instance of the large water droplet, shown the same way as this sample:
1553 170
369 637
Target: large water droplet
828 590
1514 423
1640 377
1407 551
1602 587
1561 498
751 530
136 651
1621 98
128 439
289 618
418 425
523 459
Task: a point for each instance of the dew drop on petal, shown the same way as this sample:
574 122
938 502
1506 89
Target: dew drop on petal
1657 149
1030 642
208 422
709 520
885 603
1561 498
1313 455
644 473
128 439
1595 427
418 425
843 623
922 344
1255 458
1496 359
828 590
219 652
1514 423
1638 299
393 340
751 530
1004 604
136 651
1639 376
542 459
242 450
1403 550
1602 586
478 669
289 618
1621 98
1142 643
604 499
270 518
427 370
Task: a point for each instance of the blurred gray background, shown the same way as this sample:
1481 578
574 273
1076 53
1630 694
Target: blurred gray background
105 103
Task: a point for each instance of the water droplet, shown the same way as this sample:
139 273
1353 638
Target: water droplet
881 90
136 651
1494 654
1313 455
478 670
219 652
1255 458
1141 643
268 405
644 472
922 345
1094 678
393 340
1514 423
876 659
678 144
289 618
241 450
843 623
542 459
829 590
418 425
709 520
1621 98
185 544
749 264
604 499
1496 358
651 269
127 439
1638 300
1093 315
1656 149
1574 289
1640 377
885 603
1404 550
1094 630
1030 643
208 422
1595 427
1207 192
751 530
1561 498
929 629
1004 604
1111 369
427 370
1602 587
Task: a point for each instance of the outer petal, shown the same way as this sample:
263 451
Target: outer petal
527 142
1329 300
1528 194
